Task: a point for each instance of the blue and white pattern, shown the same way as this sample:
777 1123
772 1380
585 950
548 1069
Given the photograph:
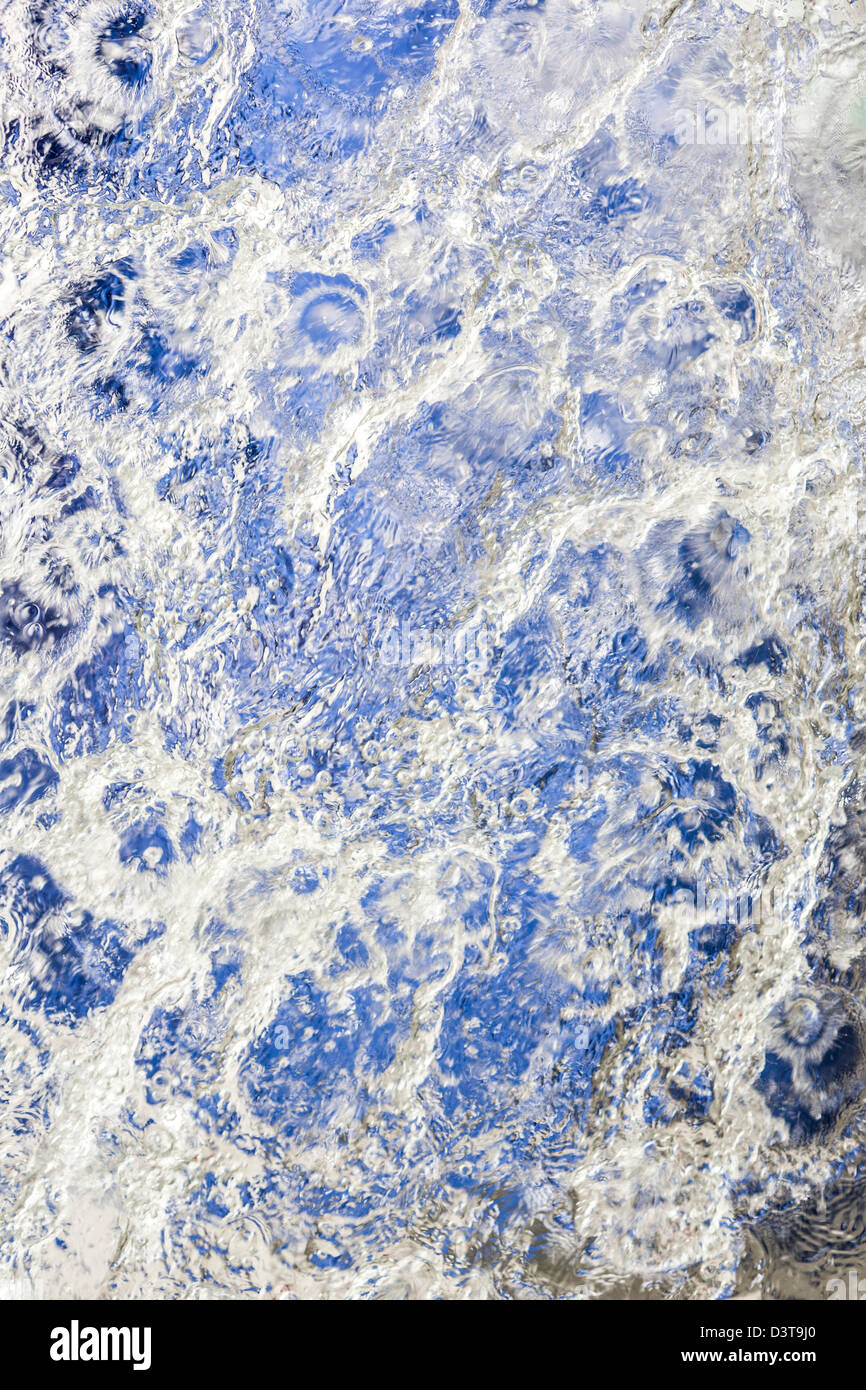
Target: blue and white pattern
432 646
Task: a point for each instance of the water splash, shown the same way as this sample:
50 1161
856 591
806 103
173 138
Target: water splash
336 965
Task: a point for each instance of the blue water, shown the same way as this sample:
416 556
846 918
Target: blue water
432 649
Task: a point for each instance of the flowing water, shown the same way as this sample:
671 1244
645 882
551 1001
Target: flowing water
432 647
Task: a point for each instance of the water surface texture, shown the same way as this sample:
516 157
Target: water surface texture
432 648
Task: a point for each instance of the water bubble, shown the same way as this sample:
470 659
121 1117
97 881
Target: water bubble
331 320
197 40
815 1060
803 1021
